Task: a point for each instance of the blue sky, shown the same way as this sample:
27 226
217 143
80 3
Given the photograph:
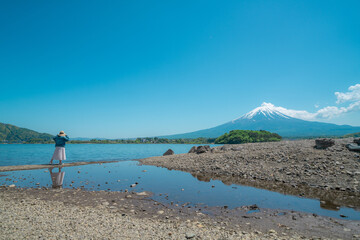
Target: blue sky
119 69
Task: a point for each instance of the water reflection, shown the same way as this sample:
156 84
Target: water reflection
57 178
180 188
329 199
329 205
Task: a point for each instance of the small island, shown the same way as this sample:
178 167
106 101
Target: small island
247 136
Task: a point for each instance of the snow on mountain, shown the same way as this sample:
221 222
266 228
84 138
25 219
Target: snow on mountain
274 119
266 110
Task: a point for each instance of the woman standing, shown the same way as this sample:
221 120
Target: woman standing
59 153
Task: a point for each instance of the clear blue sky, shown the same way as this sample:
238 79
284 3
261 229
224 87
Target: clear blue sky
144 68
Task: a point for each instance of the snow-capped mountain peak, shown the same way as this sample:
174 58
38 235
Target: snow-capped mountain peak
265 111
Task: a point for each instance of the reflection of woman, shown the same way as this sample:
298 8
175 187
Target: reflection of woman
59 153
57 178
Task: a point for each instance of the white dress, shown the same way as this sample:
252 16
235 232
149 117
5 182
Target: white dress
59 154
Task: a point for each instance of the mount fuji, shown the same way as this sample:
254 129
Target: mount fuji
268 117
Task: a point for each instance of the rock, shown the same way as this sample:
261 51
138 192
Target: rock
168 152
253 207
200 149
133 185
12 185
189 235
128 196
216 150
160 212
142 194
357 141
324 143
192 150
203 149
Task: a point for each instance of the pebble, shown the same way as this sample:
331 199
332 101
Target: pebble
141 194
189 235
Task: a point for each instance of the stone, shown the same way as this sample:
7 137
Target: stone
160 212
168 152
200 149
133 185
203 149
324 143
141 194
189 235
253 207
192 150
12 185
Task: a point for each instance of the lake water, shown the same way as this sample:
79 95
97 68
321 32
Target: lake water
23 154
167 186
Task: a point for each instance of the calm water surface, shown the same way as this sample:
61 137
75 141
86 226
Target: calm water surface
23 154
176 186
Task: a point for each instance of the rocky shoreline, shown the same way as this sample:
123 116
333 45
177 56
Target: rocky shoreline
292 167
78 214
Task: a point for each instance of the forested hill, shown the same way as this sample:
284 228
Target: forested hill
13 134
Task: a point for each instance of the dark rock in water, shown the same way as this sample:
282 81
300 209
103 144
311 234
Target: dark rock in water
357 141
324 143
200 149
168 152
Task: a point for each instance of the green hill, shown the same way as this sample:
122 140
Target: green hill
13 134
247 136
354 135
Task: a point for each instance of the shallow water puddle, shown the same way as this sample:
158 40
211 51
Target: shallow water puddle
169 186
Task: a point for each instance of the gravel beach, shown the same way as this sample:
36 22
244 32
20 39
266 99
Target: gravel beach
78 214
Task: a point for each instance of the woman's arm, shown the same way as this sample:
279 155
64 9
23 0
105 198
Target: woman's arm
66 138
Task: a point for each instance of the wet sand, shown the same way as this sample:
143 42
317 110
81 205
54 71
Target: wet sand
41 166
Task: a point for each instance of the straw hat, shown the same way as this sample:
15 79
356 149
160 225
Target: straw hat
62 133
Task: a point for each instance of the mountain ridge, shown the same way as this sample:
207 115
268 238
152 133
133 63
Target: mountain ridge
267 117
14 134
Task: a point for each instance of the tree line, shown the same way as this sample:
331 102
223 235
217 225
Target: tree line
233 137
